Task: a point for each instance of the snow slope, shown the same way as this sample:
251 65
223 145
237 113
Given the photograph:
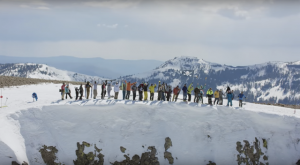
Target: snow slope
43 71
199 133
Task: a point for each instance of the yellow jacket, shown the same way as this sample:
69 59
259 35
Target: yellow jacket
209 92
216 94
152 88
190 89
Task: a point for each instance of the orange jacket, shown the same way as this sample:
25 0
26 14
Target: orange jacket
129 85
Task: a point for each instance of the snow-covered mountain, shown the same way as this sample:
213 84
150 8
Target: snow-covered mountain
42 71
267 82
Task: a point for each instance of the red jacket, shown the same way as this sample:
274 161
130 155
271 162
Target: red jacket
63 87
175 91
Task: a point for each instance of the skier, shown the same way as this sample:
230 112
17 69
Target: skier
209 94
241 96
62 91
124 89
134 89
34 96
169 93
151 88
81 92
88 88
189 91
197 95
221 97
95 89
217 96
68 91
140 88
184 89
109 89
229 97
175 93
116 90
103 89
76 92
145 91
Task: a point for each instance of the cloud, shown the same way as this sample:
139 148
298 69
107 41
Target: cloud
113 26
234 13
43 8
35 7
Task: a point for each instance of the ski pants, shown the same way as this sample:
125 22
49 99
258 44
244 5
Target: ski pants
124 93
69 95
159 95
175 97
103 94
127 95
134 94
229 101
196 99
95 93
76 95
241 103
209 100
81 94
87 93
221 101
108 93
145 95
140 95
116 95
62 94
184 96
151 96
168 97
189 97
216 99
163 96
201 97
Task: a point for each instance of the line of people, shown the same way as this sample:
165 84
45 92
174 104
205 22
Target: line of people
164 92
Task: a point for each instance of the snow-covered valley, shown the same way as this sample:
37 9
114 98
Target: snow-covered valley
199 133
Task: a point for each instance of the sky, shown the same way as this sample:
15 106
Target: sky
233 32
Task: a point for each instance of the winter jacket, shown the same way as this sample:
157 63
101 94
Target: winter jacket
151 88
176 90
210 93
228 89
145 88
95 86
229 96
184 89
63 87
80 89
134 88
216 94
128 84
241 96
196 91
190 89
67 89
220 94
116 88
123 87
108 87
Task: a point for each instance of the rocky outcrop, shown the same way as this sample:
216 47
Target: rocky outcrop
48 154
15 163
89 158
168 155
122 149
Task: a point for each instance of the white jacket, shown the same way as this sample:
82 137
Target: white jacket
116 88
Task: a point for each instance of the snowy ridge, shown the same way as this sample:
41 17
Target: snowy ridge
42 71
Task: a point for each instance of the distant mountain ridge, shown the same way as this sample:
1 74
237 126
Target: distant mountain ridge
267 82
42 71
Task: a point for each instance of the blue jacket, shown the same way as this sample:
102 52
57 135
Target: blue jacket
241 96
34 95
67 89
184 89
229 96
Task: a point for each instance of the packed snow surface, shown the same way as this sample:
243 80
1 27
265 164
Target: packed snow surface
199 133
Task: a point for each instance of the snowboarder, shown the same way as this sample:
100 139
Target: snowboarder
88 88
229 97
189 91
34 96
68 91
95 89
209 94
241 96
217 97
145 91
151 88
175 93
63 91
81 92
76 92
134 89
109 88
184 89
116 89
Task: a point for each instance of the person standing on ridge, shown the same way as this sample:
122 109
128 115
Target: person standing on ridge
221 96
189 92
197 95
229 97
175 93
77 93
134 89
116 90
217 96
109 89
158 91
145 91
169 93
151 88
62 91
95 89
232 95
128 88
184 89
124 89
103 87
81 92
241 96
68 91
140 88
209 94
88 88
